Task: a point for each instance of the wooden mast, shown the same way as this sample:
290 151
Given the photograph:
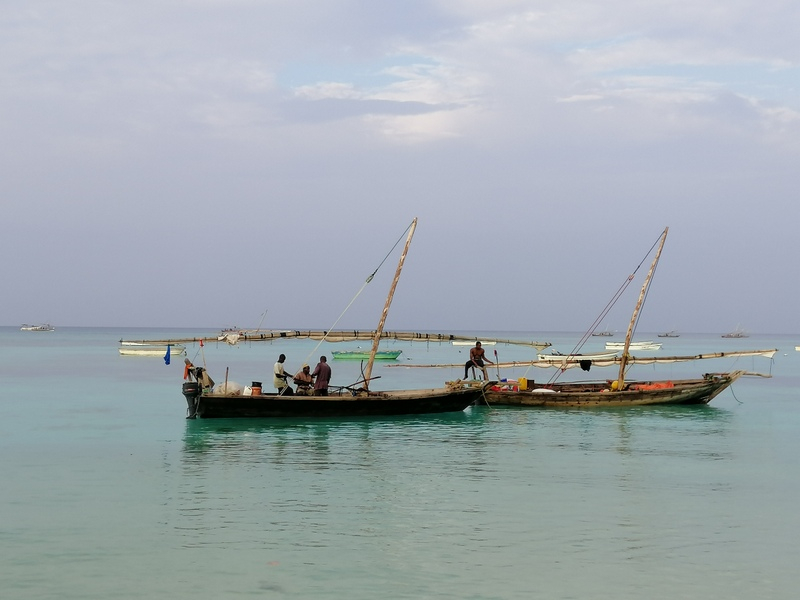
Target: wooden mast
377 337
624 358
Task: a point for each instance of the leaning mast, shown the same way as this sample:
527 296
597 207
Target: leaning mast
624 358
377 337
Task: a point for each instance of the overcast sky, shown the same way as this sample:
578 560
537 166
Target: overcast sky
197 162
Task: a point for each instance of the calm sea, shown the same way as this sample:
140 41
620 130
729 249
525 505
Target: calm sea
108 492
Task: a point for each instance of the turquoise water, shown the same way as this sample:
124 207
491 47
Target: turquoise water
108 492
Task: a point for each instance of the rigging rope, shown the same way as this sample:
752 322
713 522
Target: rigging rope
368 280
596 323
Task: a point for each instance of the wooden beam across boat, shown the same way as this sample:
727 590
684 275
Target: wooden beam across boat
343 336
575 361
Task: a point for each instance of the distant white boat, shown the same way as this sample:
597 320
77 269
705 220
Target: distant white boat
634 346
138 349
42 327
558 358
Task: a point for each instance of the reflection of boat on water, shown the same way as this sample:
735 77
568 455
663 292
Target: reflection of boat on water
346 401
42 327
364 355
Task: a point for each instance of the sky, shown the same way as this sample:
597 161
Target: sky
219 163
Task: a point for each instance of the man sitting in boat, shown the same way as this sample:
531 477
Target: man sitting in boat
303 380
476 358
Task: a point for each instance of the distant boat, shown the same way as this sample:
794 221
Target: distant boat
137 349
364 354
466 343
670 334
42 327
605 333
736 333
634 345
557 358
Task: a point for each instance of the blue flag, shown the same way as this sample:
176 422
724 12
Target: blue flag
166 356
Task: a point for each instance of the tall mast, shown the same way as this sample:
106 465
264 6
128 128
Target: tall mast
377 337
624 359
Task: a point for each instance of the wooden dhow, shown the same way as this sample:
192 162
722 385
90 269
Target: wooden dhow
348 401
599 394
618 392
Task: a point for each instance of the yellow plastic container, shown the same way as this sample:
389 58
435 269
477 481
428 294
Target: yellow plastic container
523 383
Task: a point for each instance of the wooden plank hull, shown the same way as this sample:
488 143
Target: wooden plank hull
642 393
401 402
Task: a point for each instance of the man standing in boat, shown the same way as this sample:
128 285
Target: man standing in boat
476 358
322 377
279 376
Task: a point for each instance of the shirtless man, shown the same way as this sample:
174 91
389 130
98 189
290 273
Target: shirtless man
476 358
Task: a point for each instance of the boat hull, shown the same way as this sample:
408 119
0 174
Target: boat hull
558 359
345 404
153 351
634 346
641 393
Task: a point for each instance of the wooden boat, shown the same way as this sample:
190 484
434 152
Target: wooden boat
736 333
669 334
42 327
348 401
599 394
363 355
618 392
605 333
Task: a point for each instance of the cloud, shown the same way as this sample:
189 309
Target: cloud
535 124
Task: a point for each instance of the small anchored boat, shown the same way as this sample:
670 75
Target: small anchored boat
42 327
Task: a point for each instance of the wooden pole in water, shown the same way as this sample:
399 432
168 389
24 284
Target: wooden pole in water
624 358
377 337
